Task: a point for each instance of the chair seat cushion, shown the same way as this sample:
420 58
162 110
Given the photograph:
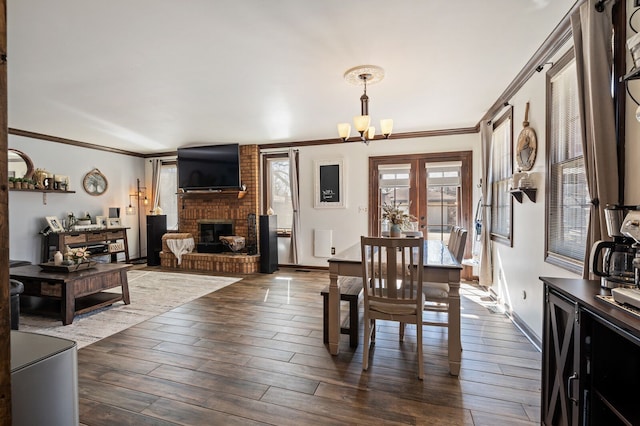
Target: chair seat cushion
435 290
386 307
392 308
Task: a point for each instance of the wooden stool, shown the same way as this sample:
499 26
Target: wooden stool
350 291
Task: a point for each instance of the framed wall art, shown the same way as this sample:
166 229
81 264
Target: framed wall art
329 185
102 221
114 222
54 223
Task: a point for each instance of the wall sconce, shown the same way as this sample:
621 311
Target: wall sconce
142 193
130 209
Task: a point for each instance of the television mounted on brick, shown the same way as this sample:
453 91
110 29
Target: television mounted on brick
209 168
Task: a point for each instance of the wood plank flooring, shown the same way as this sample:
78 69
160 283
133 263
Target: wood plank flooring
252 353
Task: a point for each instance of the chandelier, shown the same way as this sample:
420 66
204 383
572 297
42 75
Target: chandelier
364 74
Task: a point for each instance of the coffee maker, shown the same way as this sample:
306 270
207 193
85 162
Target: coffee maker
612 260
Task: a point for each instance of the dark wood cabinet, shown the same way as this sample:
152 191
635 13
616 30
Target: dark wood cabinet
268 243
591 356
561 363
156 228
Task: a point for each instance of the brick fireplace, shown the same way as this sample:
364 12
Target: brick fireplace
218 207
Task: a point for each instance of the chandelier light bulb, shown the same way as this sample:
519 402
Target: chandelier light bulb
344 131
361 123
371 132
386 126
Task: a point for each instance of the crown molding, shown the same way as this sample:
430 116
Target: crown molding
56 139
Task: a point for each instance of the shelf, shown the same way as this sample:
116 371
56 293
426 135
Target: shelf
44 192
530 193
214 192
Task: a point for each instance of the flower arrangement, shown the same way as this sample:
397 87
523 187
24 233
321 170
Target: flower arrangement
77 255
396 215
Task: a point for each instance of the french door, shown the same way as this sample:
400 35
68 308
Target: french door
436 188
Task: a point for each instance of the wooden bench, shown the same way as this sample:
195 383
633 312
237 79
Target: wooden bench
350 291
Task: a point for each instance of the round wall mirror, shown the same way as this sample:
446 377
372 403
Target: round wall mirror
95 183
19 164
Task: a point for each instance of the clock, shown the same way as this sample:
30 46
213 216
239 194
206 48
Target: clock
95 183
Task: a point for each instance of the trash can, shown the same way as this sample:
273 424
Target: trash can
16 288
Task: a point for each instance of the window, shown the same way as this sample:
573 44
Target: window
168 188
567 198
501 172
277 194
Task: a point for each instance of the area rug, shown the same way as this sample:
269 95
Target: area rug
152 293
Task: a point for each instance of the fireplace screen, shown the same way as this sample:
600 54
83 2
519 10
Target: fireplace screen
211 232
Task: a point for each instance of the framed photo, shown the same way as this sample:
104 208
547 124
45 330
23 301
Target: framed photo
54 223
114 222
102 221
329 185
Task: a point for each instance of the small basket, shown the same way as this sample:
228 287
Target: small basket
116 247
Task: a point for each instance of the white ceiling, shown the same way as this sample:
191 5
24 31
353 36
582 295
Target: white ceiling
150 75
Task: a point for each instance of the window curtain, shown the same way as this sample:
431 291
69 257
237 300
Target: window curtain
156 165
486 261
592 31
295 204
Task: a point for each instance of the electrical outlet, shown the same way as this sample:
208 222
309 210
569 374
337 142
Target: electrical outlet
333 250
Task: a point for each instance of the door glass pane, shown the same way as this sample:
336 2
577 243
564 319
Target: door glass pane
394 188
279 191
443 199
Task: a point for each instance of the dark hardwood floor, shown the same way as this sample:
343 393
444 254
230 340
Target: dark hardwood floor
252 353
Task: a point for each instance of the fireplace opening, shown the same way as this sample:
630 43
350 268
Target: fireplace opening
209 235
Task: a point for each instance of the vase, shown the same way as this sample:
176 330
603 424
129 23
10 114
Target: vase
395 230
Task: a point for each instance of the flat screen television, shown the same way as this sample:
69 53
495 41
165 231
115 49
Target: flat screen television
212 167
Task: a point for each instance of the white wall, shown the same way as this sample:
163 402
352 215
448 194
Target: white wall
27 211
350 223
517 269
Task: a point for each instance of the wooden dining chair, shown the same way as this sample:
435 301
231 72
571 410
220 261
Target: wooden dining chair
437 294
453 237
392 293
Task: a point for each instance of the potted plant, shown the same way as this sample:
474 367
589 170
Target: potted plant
12 182
398 218
18 183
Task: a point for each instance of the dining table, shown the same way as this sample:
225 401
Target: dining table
439 266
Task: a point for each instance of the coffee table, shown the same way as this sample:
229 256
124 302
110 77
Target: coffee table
78 292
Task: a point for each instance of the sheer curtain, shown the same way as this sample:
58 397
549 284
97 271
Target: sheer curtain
592 32
486 261
156 165
295 204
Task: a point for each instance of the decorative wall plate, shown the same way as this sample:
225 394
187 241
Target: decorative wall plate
527 145
95 183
